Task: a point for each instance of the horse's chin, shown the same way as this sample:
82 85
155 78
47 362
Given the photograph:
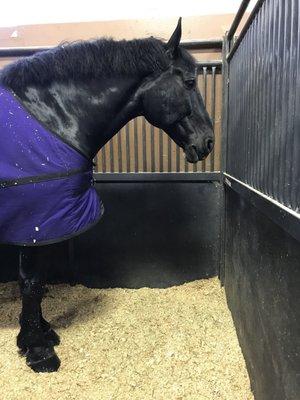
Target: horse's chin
192 155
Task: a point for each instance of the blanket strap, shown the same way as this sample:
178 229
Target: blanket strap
42 178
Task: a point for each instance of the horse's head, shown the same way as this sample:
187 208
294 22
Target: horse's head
171 101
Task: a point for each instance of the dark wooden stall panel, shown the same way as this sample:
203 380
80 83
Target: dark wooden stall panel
156 232
153 233
262 284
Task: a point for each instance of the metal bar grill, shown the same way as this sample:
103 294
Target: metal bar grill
264 107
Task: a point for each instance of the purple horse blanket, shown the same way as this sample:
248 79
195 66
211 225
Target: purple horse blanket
46 186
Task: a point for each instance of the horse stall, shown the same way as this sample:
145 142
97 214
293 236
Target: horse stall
189 286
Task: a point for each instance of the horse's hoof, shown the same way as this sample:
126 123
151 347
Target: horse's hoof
52 338
42 359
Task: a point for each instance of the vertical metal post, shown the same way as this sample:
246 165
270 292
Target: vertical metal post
161 151
169 154
119 152
213 110
127 148
205 103
177 159
112 156
152 148
186 165
225 96
144 146
103 159
136 151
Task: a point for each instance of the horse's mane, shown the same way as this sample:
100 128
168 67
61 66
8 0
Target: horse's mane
82 60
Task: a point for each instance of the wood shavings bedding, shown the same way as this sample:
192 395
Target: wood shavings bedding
163 344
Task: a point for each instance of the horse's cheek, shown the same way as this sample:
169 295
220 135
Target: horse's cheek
153 104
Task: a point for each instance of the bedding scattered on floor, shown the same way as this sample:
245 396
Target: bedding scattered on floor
123 344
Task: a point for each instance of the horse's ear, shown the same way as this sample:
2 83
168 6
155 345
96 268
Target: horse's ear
174 40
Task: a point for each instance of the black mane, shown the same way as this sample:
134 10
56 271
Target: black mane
87 59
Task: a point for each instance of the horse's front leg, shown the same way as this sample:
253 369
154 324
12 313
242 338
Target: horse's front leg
50 335
32 340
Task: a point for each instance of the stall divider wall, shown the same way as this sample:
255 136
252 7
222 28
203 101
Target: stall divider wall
261 265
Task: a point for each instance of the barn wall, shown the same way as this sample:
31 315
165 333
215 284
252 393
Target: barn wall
154 233
157 231
197 27
262 282
262 221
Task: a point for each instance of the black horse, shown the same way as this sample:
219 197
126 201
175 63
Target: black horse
86 92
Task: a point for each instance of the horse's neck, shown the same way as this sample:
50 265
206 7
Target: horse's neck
85 115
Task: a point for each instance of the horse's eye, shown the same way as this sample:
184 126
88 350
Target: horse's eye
190 83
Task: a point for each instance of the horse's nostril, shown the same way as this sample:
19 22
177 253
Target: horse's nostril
209 144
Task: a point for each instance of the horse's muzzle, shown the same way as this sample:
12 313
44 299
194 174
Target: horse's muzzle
198 153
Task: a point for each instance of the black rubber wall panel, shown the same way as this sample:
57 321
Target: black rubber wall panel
155 234
262 281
